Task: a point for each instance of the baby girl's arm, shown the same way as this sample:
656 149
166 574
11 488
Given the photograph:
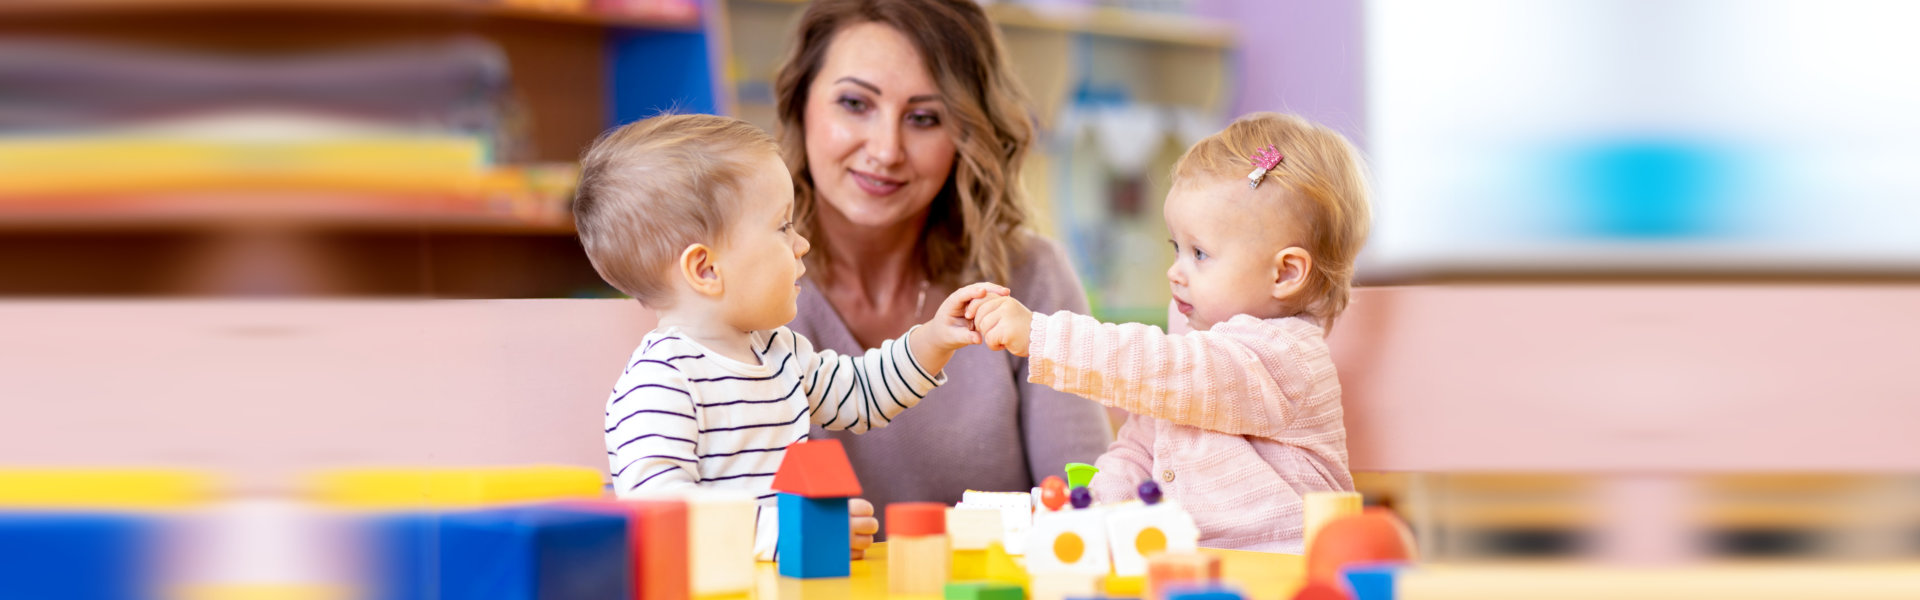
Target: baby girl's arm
1127 462
1212 379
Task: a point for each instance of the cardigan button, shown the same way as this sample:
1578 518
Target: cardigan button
1167 476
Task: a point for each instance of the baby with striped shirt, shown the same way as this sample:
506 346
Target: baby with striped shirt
693 216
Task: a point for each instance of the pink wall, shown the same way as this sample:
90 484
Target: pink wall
264 392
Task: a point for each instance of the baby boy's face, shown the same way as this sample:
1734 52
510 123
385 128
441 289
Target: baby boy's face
760 265
1225 237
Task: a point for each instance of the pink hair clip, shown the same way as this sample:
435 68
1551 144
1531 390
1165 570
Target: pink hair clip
1264 159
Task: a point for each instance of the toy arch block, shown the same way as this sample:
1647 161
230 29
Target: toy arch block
1140 532
814 481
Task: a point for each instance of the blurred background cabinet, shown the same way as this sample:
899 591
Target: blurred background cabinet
320 147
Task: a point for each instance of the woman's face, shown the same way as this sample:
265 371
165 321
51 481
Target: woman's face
877 147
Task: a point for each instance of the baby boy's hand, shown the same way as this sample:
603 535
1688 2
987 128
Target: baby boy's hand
862 525
1003 322
951 327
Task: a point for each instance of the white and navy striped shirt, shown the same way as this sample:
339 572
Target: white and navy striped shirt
683 416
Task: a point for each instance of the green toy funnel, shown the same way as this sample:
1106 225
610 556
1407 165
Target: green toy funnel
1079 474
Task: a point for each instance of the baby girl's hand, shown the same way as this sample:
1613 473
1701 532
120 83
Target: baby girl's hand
951 327
1003 322
863 525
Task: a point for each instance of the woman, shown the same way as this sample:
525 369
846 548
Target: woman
905 134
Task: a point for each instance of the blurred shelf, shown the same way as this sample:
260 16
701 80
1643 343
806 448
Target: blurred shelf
1166 28
1162 27
317 211
554 12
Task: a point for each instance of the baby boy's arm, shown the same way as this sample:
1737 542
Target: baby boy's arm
651 431
858 393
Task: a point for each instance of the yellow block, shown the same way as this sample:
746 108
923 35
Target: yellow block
389 489
968 565
1125 586
103 489
1002 568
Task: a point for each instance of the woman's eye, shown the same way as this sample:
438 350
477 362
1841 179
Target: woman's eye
853 104
924 119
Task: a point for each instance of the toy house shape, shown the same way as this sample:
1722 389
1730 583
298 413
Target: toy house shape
1138 532
1069 541
814 481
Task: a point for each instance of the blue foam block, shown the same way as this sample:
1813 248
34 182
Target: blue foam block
814 541
522 553
76 556
1372 581
1208 592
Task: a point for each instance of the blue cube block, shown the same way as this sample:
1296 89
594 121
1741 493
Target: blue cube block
523 553
1204 592
76 556
814 541
1372 581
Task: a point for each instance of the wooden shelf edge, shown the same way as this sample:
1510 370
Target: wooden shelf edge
458 8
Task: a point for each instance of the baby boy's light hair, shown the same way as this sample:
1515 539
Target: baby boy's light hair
1322 181
653 187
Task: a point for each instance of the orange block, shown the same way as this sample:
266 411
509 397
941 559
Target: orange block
657 543
816 469
1179 568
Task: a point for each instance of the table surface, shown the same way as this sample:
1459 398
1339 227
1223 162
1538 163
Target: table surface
1258 575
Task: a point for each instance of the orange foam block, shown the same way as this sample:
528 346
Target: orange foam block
658 545
1180 568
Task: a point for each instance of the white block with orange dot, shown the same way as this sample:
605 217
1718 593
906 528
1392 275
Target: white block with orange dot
1320 508
1179 568
917 559
720 532
1069 541
1138 532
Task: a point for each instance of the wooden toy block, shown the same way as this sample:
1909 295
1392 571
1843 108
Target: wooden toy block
1061 586
1002 568
814 537
1016 515
545 553
974 528
103 489
917 561
720 555
430 488
984 590
815 479
1172 569
1070 541
1138 532
78 556
1320 508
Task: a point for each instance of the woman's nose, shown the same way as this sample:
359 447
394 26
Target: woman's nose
883 142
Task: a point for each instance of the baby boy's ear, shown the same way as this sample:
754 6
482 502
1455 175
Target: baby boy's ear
699 267
1291 267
